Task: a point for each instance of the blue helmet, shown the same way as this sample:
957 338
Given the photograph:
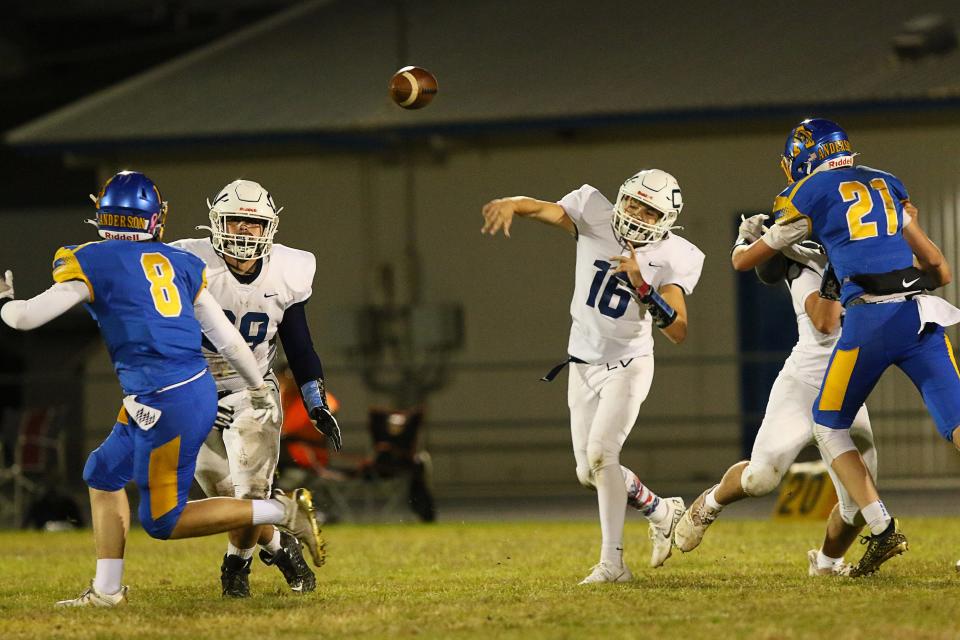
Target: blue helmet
812 143
129 207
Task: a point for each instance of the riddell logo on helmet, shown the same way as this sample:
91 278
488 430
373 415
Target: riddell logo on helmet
843 161
645 195
114 235
248 209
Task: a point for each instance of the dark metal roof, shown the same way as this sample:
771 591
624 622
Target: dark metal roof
319 71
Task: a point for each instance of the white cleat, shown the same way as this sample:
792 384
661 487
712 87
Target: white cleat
93 598
605 572
693 525
661 538
813 570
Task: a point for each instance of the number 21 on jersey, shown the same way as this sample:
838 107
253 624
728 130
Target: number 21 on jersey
159 273
859 195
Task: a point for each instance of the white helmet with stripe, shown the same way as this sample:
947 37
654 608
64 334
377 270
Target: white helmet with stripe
654 189
243 200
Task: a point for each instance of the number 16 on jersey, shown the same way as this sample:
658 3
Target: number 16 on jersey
614 299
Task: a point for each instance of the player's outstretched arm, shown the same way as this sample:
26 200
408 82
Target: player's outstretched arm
294 333
756 244
929 257
42 308
746 257
498 214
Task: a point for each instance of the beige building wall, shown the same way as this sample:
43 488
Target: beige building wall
495 428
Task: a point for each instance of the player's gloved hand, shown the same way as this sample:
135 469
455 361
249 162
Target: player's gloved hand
6 285
751 228
830 284
327 425
224 417
315 399
807 253
264 402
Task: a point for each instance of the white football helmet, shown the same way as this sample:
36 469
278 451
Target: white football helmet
243 199
654 189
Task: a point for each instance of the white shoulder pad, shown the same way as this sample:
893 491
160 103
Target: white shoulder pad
684 263
295 269
200 247
588 208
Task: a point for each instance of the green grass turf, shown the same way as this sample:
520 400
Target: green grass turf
513 580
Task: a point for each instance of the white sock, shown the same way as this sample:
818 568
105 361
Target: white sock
711 500
109 576
612 501
826 562
274 545
876 516
246 554
660 513
267 512
612 555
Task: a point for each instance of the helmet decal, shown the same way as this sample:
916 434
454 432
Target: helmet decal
812 143
129 207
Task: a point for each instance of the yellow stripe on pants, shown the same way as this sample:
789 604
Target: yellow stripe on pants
838 377
953 358
163 478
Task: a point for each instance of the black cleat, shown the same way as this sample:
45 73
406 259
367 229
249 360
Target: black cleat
880 548
291 563
235 577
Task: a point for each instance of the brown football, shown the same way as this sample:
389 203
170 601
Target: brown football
413 87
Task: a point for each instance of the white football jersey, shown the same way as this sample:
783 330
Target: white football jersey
286 278
607 324
810 356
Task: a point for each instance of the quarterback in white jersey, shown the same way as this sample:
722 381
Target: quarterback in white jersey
788 424
262 287
631 273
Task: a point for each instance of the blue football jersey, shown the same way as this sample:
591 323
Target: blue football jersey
141 295
856 213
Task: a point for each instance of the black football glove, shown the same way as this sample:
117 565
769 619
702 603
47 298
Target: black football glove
326 424
830 284
315 399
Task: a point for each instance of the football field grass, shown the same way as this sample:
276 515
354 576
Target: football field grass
494 580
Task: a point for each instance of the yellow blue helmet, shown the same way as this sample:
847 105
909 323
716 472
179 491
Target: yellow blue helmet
129 207
813 142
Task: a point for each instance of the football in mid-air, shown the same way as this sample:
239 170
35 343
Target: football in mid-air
413 87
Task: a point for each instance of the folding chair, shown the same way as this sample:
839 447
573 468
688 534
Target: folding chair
38 434
399 475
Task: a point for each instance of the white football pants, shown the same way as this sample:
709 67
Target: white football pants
239 462
604 401
786 429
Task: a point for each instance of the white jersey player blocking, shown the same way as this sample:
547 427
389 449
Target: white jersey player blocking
285 279
607 325
787 426
809 357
